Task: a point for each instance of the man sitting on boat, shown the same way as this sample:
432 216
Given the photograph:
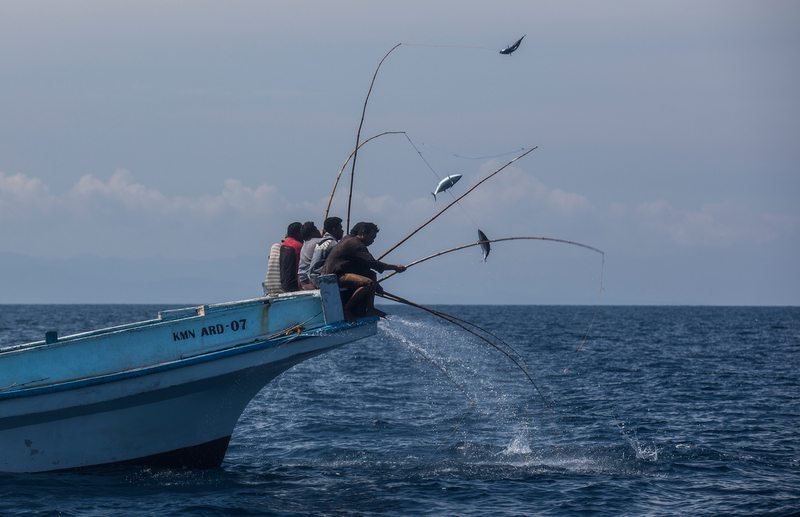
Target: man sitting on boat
323 247
310 236
283 261
353 265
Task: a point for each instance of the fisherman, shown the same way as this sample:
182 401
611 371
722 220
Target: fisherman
284 256
310 235
353 264
290 257
333 234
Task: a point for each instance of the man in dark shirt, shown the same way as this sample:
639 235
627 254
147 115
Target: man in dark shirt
290 258
353 264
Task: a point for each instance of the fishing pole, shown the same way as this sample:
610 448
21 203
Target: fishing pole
336 183
358 134
503 239
440 212
454 321
488 332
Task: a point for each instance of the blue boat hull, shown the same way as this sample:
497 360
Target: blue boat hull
174 408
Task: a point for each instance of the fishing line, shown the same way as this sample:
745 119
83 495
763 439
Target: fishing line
595 311
489 333
476 326
454 320
426 45
438 178
440 212
427 357
472 403
447 317
344 165
463 157
430 168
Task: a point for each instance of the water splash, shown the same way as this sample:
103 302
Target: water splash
643 452
394 333
520 444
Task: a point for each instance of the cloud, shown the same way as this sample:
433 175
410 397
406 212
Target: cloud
21 190
119 216
566 202
22 196
713 224
513 185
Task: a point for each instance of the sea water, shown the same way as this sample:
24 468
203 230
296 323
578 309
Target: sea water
639 410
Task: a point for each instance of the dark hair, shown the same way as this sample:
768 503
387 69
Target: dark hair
331 223
293 230
363 228
308 230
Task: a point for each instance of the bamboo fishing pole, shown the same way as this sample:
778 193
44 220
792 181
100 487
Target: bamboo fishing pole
503 239
338 177
358 134
456 200
452 319
487 332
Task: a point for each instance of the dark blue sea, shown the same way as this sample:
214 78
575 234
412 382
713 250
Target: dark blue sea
638 411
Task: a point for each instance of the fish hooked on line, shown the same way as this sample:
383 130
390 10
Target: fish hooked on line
445 184
484 241
487 242
512 48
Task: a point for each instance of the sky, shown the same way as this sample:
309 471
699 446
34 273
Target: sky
151 152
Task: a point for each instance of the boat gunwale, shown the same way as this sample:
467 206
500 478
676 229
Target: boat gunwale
201 311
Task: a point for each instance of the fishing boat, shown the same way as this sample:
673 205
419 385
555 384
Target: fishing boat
169 391
163 392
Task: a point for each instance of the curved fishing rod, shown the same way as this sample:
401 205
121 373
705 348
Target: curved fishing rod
487 332
503 239
352 154
454 321
358 134
456 200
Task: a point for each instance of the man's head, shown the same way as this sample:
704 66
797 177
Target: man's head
293 230
365 231
309 231
333 226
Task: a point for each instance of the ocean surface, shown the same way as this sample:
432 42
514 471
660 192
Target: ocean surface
635 411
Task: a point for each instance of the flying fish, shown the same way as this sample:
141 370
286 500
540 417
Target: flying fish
512 48
486 248
445 184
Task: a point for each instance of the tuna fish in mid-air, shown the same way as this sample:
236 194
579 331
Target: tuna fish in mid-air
445 184
512 48
486 248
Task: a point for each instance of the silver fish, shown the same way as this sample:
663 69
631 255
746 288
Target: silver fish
512 48
486 248
445 184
